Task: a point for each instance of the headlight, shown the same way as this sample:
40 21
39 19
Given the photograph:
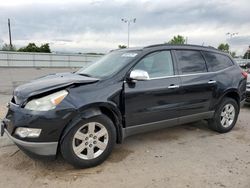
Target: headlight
46 103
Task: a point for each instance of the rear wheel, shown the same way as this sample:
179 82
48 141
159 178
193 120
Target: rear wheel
225 116
90 142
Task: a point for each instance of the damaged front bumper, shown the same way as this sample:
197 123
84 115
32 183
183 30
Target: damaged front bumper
33 149
50 123
45 149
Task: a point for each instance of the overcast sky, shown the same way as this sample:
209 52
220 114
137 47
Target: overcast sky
95 25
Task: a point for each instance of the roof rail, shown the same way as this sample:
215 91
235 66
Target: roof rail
166 44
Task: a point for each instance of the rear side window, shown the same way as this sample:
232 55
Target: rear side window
190 62
216 62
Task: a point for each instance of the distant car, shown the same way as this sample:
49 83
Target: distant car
129 91
245 66
242 64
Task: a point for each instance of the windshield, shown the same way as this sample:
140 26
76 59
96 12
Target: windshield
108 64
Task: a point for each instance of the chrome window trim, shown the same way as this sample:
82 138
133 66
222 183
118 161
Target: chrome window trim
194 74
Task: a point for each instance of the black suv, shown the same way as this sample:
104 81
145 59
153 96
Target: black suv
83 114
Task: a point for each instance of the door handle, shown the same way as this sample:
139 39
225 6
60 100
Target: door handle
211 82
173 86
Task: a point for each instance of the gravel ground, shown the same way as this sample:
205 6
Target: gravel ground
183 156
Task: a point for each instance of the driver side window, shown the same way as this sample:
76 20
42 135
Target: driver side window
157 64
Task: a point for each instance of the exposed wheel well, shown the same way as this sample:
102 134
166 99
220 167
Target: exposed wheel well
234 95
115 120
91 112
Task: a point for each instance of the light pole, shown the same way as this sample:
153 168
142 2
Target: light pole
231 35
128 21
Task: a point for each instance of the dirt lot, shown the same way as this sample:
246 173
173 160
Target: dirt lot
184 156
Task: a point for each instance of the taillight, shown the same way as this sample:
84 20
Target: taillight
244 74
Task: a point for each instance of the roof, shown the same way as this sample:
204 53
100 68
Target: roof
173 46
180 45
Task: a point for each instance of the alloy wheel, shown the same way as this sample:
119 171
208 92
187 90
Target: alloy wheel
90 140
227 115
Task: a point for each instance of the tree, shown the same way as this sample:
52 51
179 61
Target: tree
7 47
246 55
45 48
233 54
224 47
122 46
32 47
177 40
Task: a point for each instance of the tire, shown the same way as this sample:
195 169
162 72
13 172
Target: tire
224 120
90 142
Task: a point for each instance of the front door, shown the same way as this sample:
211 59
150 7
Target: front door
156 99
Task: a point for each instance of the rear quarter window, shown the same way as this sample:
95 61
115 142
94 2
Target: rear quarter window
216 62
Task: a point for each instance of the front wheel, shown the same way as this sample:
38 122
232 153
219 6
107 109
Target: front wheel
90 142
225 116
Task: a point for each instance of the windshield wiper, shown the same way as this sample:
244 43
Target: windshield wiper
83 74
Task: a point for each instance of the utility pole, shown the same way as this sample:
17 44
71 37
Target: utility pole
10 33
128 21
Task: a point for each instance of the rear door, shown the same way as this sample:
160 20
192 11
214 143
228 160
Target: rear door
225 79
197 84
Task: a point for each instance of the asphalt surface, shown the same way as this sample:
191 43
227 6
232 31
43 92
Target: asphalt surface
12 77
183 156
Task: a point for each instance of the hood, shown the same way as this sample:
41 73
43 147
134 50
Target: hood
48 83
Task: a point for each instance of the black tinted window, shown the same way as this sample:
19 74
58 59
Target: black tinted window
216 62
190 62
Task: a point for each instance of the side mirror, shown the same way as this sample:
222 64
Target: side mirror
139 75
